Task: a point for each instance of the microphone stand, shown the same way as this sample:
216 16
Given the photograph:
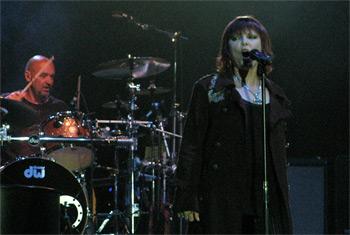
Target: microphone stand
175 36
77 108
265 184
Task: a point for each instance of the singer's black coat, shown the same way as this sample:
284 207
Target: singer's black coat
211 167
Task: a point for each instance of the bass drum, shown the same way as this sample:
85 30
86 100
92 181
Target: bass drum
42 177
68 124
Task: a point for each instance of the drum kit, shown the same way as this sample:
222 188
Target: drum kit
63 180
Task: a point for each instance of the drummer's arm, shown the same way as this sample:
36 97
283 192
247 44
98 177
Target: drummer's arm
16 95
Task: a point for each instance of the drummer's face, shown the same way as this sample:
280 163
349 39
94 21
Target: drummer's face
43 84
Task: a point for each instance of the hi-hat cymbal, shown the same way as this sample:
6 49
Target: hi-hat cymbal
153 91
142 67
113 105
17 114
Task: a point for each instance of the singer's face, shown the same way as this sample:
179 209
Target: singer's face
244 41
43 84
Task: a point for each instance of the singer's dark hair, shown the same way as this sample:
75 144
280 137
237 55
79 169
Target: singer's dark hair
240 24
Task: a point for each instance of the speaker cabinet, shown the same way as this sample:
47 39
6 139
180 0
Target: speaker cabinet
307 184
338 193
319 195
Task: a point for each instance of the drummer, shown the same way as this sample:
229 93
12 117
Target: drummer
38 97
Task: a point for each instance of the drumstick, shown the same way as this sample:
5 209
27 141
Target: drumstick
36 76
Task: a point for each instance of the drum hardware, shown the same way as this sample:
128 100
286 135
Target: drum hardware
160 122
122 141
175 114
133 211
174 37
131 68
119 141
152 90
123 121
42 151
3 134
159 201
161 131
165 169
66 201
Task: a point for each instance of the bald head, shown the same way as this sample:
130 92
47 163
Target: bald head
41 67
35 59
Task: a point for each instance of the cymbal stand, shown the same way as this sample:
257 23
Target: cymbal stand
162 195
164 162
134 208
174 36
164 135
155 106
114 212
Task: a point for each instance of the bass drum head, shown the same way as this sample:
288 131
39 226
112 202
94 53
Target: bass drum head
29 209
44 173
72 157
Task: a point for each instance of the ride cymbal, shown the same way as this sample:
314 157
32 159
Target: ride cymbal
138 67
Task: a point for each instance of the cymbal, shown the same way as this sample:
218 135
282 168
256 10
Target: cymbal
142 67
113 105
154 91
18 113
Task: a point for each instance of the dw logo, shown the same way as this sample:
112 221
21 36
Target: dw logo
35 171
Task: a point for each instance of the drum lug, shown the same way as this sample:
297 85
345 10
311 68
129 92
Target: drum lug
51 159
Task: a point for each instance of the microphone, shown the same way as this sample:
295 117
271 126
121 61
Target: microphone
74 101
121 15
260 57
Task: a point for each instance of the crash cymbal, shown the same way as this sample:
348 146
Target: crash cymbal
113 105
17 114
153 91
142 67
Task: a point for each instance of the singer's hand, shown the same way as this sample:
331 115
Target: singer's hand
16 95
190 215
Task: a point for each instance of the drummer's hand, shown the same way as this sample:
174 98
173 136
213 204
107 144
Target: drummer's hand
190 215
16 95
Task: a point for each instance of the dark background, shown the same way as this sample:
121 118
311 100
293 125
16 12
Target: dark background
310 40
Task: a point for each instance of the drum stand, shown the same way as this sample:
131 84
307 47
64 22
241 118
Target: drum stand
132 210
114 212
159 199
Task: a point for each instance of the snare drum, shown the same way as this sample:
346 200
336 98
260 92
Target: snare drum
38 178
68 124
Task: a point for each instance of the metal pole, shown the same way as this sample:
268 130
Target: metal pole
174 40
265 185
